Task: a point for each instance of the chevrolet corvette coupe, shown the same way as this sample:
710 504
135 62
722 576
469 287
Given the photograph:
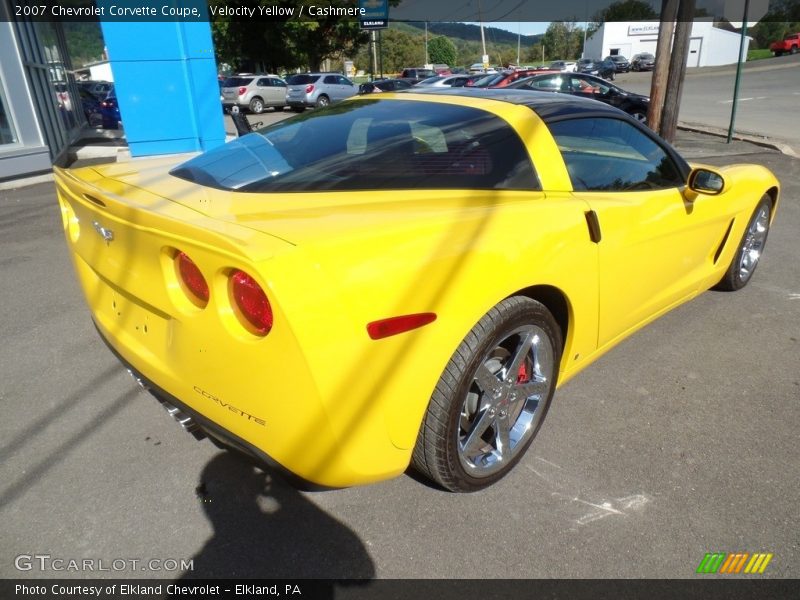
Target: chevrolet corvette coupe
403 278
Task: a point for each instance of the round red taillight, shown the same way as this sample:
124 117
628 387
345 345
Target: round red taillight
242 90
309 88
252 303
193 281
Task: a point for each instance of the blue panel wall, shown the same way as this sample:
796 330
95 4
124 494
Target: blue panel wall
165 78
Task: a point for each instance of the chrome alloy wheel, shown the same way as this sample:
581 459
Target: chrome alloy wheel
753 244
506 401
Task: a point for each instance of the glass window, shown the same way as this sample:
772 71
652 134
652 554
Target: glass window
371 144
605 154
331 79
7 133
302 79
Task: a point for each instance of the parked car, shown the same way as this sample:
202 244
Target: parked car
109 111
254 92
477 69
91 107
394 283
589 86
601 68
415 75
506 79
444 81
643 61
563 65
98 89
621 64
383 85
317 90
788 45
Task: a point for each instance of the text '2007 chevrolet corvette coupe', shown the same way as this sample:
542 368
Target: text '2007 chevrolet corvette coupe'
401 278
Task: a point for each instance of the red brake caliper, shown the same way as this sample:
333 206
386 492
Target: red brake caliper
522 374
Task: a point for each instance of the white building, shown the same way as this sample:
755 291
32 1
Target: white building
708 45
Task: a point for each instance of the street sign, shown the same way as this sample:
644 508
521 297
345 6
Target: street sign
375 14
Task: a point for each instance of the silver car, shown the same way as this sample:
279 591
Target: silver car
254 92
317 89
445 81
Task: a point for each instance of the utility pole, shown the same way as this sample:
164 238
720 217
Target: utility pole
658 84
677 69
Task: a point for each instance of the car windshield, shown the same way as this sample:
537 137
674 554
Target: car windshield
430 80
370 144
302 79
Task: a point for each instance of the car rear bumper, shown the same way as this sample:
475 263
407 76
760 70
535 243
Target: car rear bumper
200 426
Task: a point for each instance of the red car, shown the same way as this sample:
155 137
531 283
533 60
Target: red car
790 45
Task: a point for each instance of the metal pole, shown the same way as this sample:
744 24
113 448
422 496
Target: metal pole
374 57
426 45
742 58
518 39
380 51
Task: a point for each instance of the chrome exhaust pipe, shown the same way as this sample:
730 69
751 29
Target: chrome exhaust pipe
189 425
185 421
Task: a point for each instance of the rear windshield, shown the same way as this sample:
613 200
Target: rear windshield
371 144
302 79
237 81
647 56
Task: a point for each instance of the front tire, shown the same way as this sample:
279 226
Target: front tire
751 247
256 106
492 398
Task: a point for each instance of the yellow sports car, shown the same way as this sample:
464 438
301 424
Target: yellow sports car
401 278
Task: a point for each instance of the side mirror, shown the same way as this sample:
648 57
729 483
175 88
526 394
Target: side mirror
705 181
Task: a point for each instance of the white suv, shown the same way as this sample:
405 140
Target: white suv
254 92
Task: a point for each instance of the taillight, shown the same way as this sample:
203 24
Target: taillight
242 90
252 302
309 88
194 283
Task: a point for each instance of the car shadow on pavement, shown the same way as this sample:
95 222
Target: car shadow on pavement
265 528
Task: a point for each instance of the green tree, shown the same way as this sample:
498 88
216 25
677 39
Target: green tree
563 40
442 51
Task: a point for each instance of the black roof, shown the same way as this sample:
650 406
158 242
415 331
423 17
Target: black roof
548 105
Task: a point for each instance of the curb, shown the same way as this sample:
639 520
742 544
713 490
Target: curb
741 137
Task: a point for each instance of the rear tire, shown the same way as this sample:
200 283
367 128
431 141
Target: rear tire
323 101
492 398
750 249
793 50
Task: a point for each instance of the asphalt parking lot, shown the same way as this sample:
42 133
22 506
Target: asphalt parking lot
681 441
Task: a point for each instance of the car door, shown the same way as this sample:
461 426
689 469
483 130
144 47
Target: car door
347 87
277 92
656 246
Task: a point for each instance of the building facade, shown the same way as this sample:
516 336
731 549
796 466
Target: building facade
708 45
38 120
